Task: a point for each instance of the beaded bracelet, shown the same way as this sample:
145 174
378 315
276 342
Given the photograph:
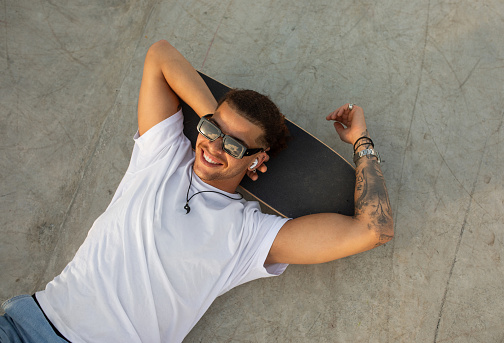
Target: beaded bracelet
366 143
363 137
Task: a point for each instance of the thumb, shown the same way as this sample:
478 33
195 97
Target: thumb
340 129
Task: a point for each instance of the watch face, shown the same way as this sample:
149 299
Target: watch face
366 152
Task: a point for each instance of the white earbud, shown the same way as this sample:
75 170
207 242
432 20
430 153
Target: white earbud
254 164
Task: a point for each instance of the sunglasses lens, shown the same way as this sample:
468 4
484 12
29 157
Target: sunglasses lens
233 147
209 130
229 144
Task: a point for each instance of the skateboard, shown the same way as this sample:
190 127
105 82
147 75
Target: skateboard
307 177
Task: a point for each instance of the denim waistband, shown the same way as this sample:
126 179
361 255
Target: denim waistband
52 326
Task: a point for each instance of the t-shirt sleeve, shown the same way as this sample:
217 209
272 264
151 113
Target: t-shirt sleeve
150 146
264 229
163 140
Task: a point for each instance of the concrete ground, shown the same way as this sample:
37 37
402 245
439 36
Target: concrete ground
429 74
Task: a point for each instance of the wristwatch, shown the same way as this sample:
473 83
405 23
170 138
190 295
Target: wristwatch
365 152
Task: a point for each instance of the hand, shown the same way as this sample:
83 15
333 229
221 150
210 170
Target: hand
262 168
350 125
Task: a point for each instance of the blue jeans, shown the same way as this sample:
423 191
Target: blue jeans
25 322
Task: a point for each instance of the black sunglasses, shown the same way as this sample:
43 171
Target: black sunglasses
230 145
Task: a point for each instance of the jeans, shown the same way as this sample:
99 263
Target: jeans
24 322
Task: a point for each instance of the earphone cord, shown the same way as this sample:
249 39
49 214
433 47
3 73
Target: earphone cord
188 209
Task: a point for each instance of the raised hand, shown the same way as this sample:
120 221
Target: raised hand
349 122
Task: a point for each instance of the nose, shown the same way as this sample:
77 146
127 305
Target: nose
215 146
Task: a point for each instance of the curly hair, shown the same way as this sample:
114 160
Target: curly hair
261 111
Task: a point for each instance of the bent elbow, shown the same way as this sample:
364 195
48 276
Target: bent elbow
159 49
162 43
385 233
385 238
383 230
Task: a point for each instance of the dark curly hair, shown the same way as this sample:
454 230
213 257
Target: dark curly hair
261 111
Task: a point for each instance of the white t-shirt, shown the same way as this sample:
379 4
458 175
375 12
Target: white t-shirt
148 271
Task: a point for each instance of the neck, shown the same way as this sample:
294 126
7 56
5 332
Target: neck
228 185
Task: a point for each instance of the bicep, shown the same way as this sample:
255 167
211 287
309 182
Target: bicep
320 238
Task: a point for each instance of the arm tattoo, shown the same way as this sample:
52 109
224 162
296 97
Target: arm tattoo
371 198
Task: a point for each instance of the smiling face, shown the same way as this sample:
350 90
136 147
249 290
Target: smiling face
216 167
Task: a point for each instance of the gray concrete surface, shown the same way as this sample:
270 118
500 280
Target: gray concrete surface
429 74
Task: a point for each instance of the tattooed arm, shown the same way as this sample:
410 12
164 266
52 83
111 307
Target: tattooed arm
371 199
325 237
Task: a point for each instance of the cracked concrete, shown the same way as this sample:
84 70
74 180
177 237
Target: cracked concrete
429 75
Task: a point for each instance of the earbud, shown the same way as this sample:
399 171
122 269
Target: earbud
254 164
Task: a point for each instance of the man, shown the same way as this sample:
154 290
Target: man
176 235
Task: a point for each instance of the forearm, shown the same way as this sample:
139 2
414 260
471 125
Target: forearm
182 78
372 205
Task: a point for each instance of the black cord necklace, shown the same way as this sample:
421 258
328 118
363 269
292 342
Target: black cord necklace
188 209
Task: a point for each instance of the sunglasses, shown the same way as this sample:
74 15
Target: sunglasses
230 145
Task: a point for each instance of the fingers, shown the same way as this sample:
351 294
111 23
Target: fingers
252 175
262 168
339 128
349 123
343 114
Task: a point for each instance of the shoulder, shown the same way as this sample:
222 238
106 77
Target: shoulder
261 223
164 140
169 126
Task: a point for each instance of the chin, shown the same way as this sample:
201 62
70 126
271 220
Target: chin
205 173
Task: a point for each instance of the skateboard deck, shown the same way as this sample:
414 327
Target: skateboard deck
308 177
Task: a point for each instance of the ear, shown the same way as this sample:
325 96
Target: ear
254 164
261 159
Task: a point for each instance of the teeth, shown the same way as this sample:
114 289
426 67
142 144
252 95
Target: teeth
208 159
